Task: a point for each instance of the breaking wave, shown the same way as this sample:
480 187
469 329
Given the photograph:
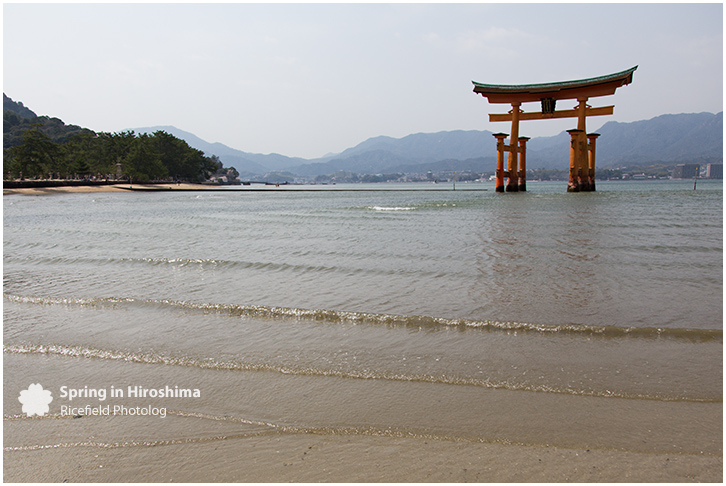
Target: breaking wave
336 316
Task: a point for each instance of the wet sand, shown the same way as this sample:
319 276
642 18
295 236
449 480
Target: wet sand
308 458
258 444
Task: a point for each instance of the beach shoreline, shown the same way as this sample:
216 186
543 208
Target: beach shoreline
332 458
44 191
208 440
189 187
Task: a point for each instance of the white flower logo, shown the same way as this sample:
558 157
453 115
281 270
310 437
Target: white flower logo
35 400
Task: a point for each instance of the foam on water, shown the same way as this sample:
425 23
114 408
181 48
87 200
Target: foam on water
334 316
215 364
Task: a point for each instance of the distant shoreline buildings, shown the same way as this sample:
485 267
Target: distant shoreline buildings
714 171
685 171
689 171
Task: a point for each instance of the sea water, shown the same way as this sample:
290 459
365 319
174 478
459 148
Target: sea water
580 320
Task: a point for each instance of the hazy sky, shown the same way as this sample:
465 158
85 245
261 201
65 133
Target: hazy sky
304 80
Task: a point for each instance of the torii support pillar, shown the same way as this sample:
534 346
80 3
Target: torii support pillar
575 183
591 137
512 160
523 163
499 174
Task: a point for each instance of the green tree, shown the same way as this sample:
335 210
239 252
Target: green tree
206 165
143 162
80 156
50 147
113 148
35 156
182 161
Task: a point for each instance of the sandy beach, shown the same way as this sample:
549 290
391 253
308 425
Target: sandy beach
331 458
255 442
44 191
187 187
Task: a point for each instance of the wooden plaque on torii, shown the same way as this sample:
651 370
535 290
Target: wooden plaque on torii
582 144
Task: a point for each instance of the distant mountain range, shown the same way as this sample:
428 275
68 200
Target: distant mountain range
692 137
666 139
244 162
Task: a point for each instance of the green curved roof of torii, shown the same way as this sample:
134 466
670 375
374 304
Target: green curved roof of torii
559 89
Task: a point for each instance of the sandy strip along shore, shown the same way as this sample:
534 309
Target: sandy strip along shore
40 191
171 187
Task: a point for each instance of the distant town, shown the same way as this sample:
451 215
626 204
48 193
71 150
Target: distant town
625 173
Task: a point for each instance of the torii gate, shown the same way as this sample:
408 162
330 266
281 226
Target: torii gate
582 144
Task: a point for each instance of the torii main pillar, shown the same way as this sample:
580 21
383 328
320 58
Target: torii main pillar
582 153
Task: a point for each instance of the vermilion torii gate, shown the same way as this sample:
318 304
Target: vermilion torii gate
582 144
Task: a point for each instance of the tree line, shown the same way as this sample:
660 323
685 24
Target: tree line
33 153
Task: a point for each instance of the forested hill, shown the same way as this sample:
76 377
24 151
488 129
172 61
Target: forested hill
16 107
45 147
17 119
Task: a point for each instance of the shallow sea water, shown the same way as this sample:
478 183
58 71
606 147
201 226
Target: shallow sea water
540 319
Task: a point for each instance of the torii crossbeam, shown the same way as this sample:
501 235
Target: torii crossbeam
582 145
